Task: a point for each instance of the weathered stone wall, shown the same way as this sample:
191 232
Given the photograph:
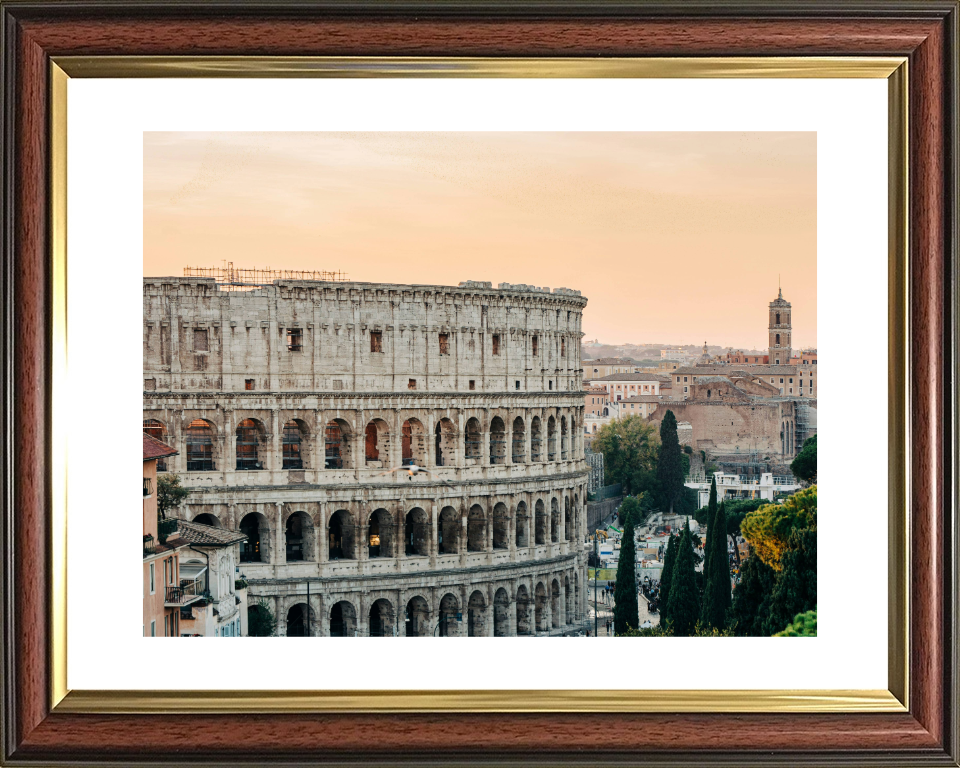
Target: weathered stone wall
494 533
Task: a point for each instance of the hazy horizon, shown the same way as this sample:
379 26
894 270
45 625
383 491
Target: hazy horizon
673 235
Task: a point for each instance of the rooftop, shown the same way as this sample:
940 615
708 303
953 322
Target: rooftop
208 535
154 449
632 377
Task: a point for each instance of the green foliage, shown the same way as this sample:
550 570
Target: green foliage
629 448
165 529
737 509
803 625
686 503
630 509
795 590
170 493
751 598
239 584
660 631
684 598
805 465
711 503
666 577
670 473
688 450
261 622
716 596
626 610
769 528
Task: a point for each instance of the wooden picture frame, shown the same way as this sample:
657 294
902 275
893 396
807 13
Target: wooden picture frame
41 726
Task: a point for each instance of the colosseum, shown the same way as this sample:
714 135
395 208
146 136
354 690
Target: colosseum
297 408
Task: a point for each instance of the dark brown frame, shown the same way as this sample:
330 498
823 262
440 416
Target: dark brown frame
925 32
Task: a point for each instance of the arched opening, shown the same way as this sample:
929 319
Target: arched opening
501 527
476 529
476 615
501 613
555 604
301 622
335 447
517 450
523 525
564 439
541 526
551 439
249 433
448 542
418 618
445 443
256 549
498 441
606 412
199 440
449 625
524 611
377 442
778 319
778 340
471 440
541 608
535 452
554 520
413 447
157 431
207 518
416 533
567 520
381 619
341 536
343 620
299 537
380 534
292 439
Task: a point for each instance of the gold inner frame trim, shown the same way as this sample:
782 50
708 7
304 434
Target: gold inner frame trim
893 69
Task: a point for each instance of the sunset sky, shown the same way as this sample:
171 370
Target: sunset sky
672 237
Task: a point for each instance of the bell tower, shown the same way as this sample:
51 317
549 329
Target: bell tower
780 330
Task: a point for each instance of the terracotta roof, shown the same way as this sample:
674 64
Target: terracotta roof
632 377
727 371
154 449
641 399
208 535
610 361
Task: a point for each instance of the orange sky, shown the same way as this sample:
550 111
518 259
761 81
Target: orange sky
673 237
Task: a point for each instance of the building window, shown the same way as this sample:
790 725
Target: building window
294 339
248 445
411 383
496 343
166 626
791 390
153 628
536 345
200 446
518 385
150 385
376 341
153 580
778 339
550 384
791 381
684 389
248 384
200 342
473 384
563 347
292 458
684 381
444 343
781 381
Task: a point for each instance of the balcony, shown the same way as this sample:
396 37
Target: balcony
188 592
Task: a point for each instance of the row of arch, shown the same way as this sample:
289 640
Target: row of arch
550 606
387 535
550 440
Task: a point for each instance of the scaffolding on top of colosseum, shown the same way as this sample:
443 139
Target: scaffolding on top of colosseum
229 277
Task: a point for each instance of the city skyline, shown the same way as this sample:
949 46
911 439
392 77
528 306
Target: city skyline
666 234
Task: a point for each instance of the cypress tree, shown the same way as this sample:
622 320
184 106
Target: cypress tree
795 590
712 503
684 601
626 610
670 466
751 598
716 595
666 576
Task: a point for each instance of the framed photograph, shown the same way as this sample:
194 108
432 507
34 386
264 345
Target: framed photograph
476 353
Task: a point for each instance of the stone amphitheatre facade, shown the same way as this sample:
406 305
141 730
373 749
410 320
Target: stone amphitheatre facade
291 403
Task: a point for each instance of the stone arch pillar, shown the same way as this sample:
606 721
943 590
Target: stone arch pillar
279 538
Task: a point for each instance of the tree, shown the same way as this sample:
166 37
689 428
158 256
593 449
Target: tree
716 596
629 448
805 465
684 600
712 503
630 507
169 493
260 620
626 610
769 528
670 466
751 598
803 625
666 576
795 590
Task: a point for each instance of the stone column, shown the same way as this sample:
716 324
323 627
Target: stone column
527 435
281 615
464 510
323 540
435 529
508 438
430 442
360 537
281 539
512 616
